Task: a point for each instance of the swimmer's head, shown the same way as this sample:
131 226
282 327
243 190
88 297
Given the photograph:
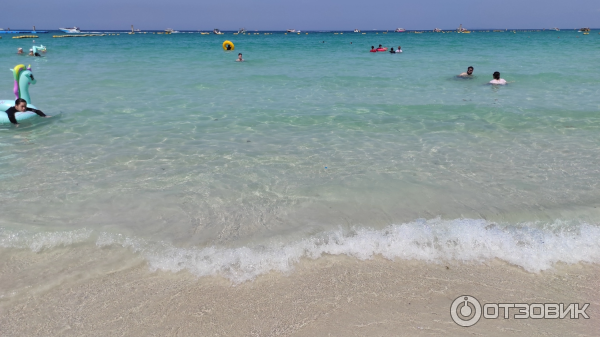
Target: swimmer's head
496 75
379 46
470 70
239 54
372 47
20 104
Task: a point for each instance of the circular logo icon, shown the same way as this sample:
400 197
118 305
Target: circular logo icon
465 310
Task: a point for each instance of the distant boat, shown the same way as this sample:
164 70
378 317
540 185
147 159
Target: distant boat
460 29
217 32
171 31
357 31
242 31
70 30
291 31
556 29
437 30
584 30
400 30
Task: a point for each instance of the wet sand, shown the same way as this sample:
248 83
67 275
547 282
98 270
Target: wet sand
331 296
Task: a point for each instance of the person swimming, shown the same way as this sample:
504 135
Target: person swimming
239 59
497 80
21 106
399 50
373 50
469 73
30 52
20 51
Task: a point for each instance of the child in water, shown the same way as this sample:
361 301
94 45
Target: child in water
21 106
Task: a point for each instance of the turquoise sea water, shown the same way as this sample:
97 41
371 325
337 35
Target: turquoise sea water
165 145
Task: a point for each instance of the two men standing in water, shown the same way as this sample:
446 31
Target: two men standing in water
497 80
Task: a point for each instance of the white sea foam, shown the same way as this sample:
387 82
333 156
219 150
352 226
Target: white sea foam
42 240
532 246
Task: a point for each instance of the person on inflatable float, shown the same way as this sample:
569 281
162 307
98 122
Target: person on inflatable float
381 48
21 106
373 50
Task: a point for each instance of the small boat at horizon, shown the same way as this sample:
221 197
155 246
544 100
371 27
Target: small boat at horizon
293 31
70 30
171 31
437 30
357 31
460 29
242 31
217 32
400 30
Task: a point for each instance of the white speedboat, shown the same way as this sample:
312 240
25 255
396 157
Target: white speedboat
461 29
171 31
242 31
291 31
400 30
70 30
357 31
218 32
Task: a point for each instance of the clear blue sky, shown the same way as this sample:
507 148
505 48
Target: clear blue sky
302 15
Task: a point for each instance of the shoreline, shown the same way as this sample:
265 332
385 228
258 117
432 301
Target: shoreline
330 296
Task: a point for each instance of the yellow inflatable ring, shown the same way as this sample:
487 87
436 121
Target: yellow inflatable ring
228 43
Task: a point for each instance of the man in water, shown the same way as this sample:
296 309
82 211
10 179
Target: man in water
21 106
497 80
469 73
399 50
30 52
239 59
20 51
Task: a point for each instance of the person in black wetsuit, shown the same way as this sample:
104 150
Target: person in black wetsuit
21 106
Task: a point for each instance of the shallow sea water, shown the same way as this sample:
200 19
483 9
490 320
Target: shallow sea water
164 145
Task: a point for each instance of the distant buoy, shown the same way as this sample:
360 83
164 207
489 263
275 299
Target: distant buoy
228 45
